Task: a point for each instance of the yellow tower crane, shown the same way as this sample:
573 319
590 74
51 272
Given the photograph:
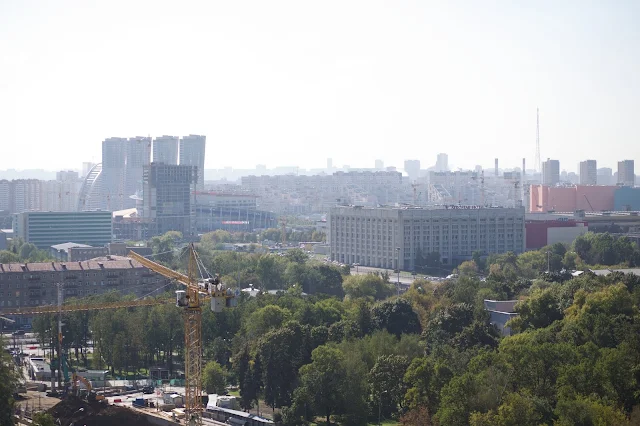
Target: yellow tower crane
190 300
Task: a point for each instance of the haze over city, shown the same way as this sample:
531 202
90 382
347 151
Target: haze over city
292 83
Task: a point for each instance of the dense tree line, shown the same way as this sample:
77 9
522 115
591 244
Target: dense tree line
348 350
19 251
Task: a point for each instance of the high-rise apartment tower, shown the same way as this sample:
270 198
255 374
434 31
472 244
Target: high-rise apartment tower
192 150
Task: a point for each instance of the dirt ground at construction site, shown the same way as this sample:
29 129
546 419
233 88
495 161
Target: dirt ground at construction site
77 411
36 401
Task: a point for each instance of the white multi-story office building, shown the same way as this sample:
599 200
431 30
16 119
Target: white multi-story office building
192 150
588 172
386 237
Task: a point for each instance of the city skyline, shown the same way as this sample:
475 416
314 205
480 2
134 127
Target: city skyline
281 84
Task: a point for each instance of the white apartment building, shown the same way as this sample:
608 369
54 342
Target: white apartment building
384 237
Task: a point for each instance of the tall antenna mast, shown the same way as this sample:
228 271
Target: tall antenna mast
536 162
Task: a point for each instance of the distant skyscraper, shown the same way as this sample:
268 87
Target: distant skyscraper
112 182
605 176
192 150
550 172
626 173
329 163
497 170
379 164
86 168
137 155
169 197
165 150
588 172
442 164
412 168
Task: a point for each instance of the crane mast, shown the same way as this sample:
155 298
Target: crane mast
192 330
193 346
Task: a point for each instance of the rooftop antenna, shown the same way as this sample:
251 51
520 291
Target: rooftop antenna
536 162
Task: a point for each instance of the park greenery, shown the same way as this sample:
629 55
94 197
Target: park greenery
19 251
325 345
9 377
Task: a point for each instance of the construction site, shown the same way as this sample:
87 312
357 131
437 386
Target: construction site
75 395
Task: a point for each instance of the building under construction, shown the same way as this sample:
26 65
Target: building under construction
169 193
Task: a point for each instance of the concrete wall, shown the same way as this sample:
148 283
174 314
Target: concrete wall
544 198
601 198
565 235
626 198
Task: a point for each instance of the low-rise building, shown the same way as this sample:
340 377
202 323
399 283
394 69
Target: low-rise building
74 252
501 311
38 369
46 229
27 285
540 233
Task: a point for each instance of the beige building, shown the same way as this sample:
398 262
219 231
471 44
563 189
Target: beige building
384 237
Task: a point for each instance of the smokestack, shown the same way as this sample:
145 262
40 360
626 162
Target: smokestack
496 167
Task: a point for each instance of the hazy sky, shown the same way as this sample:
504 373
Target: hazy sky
292 83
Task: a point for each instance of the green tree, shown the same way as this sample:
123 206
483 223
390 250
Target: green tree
468 268
265 319
43 419
280 355
539 310
270 270
369 286
213 378
386 380
8 381
516 410
7 256
396 316
296 255
323 383
164 245
588 411
425 378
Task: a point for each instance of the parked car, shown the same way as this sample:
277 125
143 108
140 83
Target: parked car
18 333
148 389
